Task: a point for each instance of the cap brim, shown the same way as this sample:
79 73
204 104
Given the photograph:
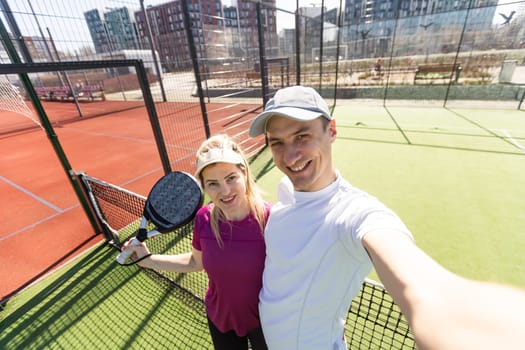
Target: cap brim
214 161
258 125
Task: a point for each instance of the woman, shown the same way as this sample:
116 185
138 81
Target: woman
227 243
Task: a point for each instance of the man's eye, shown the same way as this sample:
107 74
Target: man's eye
302 137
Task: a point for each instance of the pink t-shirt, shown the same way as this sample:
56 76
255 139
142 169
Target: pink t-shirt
234 270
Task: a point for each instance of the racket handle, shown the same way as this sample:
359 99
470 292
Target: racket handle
123 256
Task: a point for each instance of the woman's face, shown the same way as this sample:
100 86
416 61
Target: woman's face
225 184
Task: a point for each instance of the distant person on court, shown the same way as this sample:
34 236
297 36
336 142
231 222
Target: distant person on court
228 244
378 67
324 236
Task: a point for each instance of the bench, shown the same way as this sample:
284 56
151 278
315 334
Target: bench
41 92
53 92
438 71
92 92
64 92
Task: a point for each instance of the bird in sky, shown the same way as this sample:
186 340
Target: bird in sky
364 33
425 26
507 18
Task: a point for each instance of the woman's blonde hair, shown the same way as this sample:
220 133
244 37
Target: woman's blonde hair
222 146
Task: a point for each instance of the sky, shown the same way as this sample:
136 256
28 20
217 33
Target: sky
66 33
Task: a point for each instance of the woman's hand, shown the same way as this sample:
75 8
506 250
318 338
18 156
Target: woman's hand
139 250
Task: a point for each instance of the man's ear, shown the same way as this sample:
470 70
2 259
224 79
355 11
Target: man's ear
332 129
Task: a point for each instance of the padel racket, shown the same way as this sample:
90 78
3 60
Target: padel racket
172 203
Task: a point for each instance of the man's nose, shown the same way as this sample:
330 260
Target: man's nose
291 155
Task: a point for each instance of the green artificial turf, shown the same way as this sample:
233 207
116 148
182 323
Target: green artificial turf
94 303
457 183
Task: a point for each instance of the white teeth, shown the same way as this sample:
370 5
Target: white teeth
299 168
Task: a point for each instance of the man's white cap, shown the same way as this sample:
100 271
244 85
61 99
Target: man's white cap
218 155
294 102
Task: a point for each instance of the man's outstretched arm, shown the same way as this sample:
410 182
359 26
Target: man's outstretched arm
444 310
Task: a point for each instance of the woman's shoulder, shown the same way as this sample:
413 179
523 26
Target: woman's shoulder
204 211
267 206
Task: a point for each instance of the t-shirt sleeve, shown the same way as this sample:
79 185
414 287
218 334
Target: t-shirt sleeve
380 219
368 214
285 191
200 221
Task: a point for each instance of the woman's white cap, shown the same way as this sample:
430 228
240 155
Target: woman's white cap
218 155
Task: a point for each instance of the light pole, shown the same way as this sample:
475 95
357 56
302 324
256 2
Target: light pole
73 92
425 27
59 76
153 51
117 74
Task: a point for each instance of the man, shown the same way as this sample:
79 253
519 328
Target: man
324 234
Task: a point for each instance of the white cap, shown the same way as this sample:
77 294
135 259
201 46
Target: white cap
218 155
294 102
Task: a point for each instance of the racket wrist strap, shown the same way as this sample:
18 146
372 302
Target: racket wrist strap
142 234
138 260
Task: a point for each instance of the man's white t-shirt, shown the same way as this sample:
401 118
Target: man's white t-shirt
315 263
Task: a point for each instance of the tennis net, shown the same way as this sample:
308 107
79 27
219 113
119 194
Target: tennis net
374 321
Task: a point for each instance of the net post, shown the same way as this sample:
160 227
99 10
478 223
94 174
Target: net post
93 206
195 61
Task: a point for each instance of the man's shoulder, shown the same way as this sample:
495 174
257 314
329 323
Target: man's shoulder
285 191
346 195
344 187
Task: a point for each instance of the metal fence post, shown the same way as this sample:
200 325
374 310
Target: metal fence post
195 61
262 55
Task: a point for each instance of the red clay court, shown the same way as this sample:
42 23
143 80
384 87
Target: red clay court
44 224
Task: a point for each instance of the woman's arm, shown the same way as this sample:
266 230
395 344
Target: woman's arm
444 310
186 262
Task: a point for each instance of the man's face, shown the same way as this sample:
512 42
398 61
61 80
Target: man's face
303 151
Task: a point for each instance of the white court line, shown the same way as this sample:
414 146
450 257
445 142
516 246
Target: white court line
31 194
423 126
417 126
514 142
127 138
34 224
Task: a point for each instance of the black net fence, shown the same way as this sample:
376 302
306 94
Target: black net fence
212 56
463 53
181 47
